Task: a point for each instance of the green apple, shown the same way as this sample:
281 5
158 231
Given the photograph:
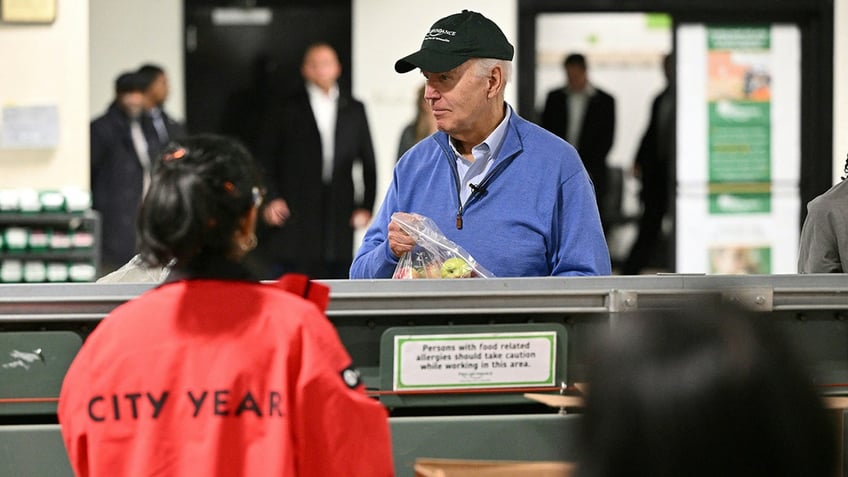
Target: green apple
456 267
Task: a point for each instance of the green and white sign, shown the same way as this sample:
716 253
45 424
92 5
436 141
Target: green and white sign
740 142
474 360
739 85
740 203
738 106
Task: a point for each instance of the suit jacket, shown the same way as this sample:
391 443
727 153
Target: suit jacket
319 227
174 128
595 139
655 156
117 184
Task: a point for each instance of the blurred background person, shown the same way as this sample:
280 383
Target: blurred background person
314 141
214 373
164 127
121 163
584 115
702 391
824 236
653 167
422 126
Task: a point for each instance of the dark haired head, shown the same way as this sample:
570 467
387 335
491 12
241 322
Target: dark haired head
702 393
575 59
129 83
149 72
202 190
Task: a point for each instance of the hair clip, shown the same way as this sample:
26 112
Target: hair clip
175 154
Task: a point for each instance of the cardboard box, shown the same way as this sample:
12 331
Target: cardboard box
426 467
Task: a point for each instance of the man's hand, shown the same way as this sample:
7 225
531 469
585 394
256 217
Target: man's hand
636 171
276 213
360 218
399 241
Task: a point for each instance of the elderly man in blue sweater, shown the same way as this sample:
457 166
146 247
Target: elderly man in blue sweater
515 196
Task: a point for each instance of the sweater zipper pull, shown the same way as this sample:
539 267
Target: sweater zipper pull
459 221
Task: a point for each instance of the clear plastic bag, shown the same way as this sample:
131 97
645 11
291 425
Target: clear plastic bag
434 255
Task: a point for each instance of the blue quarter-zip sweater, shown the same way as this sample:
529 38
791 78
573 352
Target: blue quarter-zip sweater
534 214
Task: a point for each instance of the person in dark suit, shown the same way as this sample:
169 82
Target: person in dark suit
653 166
121 162
315 138
584 115
161 127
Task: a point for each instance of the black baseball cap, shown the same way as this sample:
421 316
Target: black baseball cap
455 39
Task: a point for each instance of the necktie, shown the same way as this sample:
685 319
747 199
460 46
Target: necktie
159 126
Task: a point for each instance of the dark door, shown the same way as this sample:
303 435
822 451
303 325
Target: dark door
239 60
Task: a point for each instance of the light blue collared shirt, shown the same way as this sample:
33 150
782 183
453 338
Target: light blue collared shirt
484 156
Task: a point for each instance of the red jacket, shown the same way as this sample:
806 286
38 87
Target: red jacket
214 377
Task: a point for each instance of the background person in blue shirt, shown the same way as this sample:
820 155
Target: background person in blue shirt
515 196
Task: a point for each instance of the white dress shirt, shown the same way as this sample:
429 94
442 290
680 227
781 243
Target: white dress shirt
325 109
577 103
141 150
484 155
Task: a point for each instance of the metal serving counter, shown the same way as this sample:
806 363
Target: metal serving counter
51 320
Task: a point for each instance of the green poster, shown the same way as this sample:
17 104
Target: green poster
739 97
740 142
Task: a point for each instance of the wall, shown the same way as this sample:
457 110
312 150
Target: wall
128 33
48 65
384 30
840 88
624 54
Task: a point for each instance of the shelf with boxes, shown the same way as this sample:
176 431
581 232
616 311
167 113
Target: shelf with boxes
48 236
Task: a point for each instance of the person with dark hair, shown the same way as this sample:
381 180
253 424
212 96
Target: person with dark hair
162 126
315 138
120 167
213 372
584 115
653 167
702 392
513 195
824 236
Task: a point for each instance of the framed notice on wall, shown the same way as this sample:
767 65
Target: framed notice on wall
474 360
28 11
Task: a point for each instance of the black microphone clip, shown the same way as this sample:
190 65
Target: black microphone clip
478 189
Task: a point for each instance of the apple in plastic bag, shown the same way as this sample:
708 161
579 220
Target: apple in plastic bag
419 272
433 270
456 267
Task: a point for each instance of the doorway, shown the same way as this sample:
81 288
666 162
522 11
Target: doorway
812 19
624 54
240 60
